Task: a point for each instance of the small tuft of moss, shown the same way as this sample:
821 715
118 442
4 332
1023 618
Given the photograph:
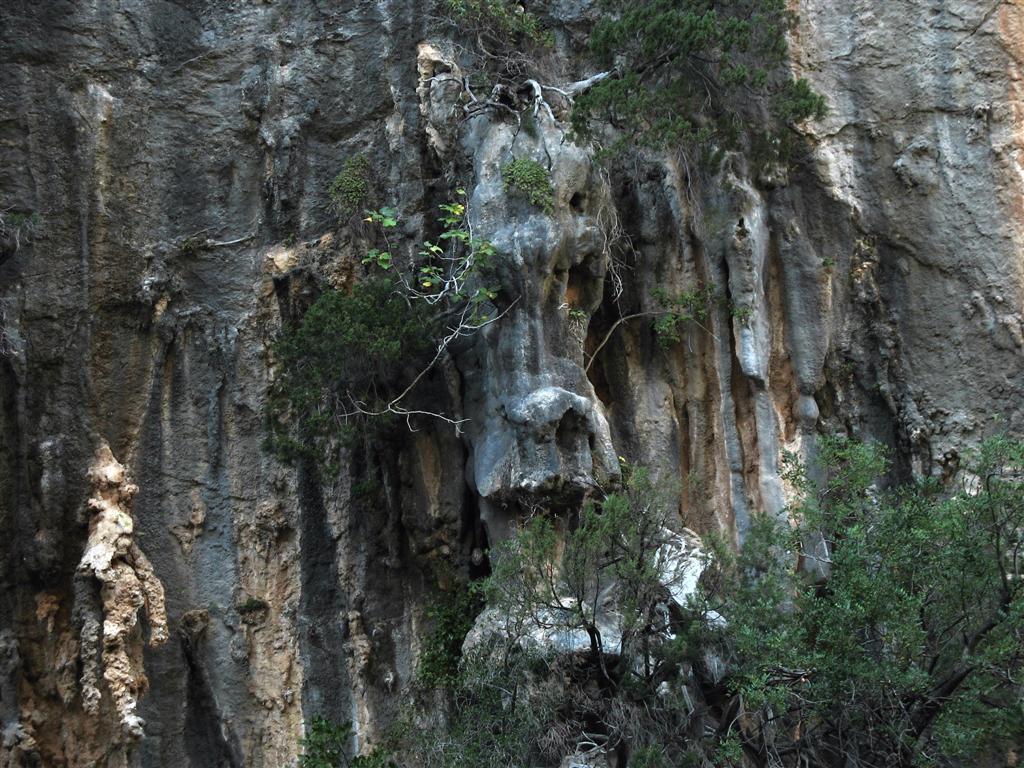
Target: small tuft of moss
350 188
189 248
252 605
531 180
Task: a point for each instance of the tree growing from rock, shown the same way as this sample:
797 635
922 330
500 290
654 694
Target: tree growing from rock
873 628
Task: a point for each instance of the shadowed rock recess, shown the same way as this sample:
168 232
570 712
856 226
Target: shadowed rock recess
174 160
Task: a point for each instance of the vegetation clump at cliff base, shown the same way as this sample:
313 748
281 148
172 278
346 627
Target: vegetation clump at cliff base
874 627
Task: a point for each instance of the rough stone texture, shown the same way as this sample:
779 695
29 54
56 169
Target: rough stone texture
178 157
535 426
128 585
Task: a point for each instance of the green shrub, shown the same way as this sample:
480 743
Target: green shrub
350 188
354 357
350 354
531 180
326 746
504 21
688 71
900 642
798 101
901 637
452 617
495 719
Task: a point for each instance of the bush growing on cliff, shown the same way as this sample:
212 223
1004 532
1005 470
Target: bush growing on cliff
688 69
878 627
351 353
502 22
452 617
356 356
515 703
326 745
903 643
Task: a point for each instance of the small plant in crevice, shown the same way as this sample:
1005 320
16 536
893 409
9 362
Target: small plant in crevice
351 187
452 616
190 247
326 745
741 312
531 180
17 229
578 320
502 22
691 305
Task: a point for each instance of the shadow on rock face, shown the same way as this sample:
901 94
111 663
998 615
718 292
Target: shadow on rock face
537 433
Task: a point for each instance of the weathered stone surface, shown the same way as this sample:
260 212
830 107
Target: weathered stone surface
128 585
536 428
178 155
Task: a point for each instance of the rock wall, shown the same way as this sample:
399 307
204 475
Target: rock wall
176 158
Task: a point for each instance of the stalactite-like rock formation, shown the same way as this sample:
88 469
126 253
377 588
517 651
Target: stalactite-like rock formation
127 587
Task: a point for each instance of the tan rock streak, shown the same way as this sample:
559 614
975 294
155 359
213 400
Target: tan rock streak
127 585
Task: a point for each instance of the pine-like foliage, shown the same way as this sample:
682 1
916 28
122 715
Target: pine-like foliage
694 73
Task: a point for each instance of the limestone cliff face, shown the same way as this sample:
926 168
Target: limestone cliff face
176 158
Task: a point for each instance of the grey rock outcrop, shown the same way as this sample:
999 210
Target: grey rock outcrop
536 428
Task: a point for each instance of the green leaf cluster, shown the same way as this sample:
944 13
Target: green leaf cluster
530 179
351 187
873 627
496 718
452 617
351 347
449 273
504 21
887 625
327 743
354 356
689 70
690 305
